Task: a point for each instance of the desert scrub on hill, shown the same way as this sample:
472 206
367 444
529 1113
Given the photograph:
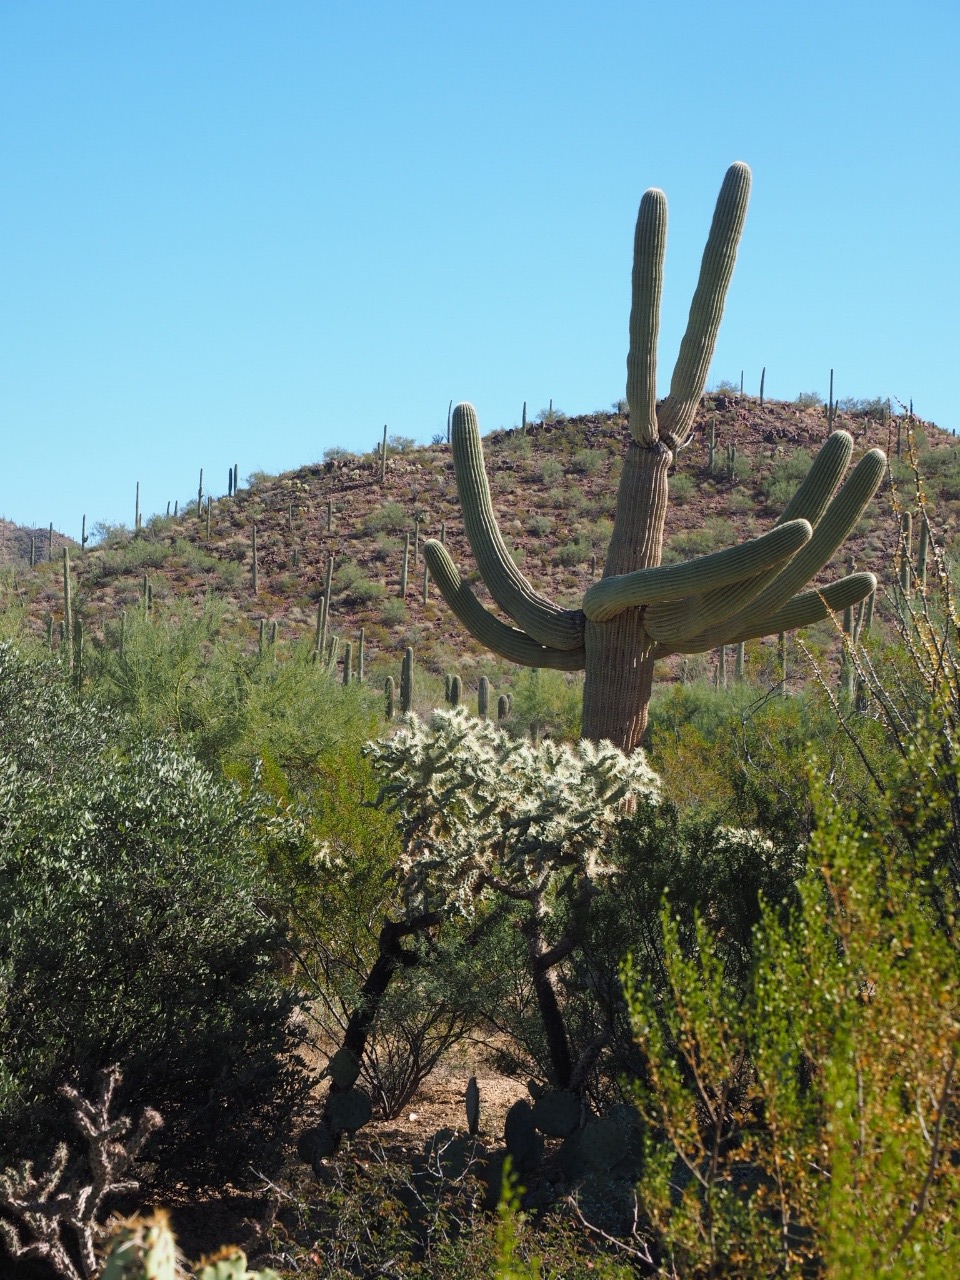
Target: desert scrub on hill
136 926
189 675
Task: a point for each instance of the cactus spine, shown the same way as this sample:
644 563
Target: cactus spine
755 589
390 697
200 495
763 378
483 698
347 662
456 691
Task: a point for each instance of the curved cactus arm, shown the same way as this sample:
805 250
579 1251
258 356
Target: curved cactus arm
649 246
610 596
694 614
490 631
673 622
839 518
543 620
696 349
802 611
820 483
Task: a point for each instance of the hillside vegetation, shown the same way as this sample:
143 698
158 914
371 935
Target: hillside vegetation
554 488
466 996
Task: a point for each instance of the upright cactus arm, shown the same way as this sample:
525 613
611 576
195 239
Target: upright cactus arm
649 245
510 643
671 622
610 596
544 622
840 517
696 350
820 483
802 611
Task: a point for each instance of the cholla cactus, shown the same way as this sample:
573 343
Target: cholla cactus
483 815
640 611
55 1216
480 810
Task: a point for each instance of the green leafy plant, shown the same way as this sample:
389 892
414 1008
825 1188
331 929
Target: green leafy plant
135 927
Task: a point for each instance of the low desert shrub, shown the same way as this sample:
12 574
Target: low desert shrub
136 926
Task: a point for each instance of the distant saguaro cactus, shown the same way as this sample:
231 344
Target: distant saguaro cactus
640 611
406 681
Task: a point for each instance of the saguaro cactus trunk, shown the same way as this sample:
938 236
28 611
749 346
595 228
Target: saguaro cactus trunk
640 611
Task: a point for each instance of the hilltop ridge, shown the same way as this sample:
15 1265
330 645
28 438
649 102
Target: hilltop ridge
554 490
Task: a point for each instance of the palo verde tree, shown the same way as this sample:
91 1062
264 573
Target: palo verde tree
640 611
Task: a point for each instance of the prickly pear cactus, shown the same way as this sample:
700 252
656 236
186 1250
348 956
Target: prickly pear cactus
143 1249
349 1111
520 1134
344 1068
557 1113
472 1101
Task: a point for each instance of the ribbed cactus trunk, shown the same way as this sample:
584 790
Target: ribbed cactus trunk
620 656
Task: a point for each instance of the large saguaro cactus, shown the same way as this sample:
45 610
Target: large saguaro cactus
640 611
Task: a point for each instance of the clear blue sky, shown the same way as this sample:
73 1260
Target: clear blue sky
245 232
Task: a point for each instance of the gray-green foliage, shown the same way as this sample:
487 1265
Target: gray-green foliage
135 927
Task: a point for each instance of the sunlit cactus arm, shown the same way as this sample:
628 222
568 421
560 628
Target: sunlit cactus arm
820 483
490 631
544 621
802 611
696 350
649 245
672 621
840 517
610 596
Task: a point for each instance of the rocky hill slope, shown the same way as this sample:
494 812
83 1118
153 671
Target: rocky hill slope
554 488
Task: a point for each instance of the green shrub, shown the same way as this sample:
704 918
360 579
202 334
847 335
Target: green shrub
539 526
808 1121
135 927
682 488
390 518
587 462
